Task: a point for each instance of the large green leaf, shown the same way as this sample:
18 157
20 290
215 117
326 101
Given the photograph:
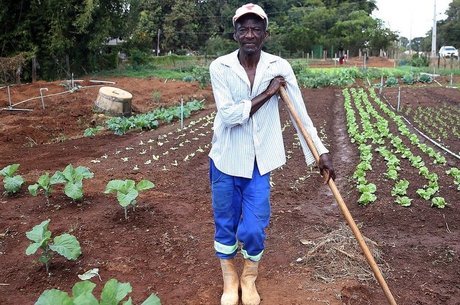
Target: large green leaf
127 199
144 185
68 173
57 178
74 190
44 180
129 185
67 245
54 297
86 298
152 300
128 302
82 172
13 184
32 248
9 170
33 189
114 186
82 288
113 292
39 232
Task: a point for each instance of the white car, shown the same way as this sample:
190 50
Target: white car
448 51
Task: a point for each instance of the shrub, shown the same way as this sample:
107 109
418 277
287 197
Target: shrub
408 79
419 61
391 81
425 78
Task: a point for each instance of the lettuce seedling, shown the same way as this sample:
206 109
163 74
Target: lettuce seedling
127 191
65 244
73 180
11 182
113 293
438 202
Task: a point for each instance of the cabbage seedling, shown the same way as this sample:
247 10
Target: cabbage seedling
113 293
44 183
73 180
65 244
11 182
127 191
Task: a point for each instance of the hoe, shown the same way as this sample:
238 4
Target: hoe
342 205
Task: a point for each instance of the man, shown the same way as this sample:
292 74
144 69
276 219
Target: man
247 144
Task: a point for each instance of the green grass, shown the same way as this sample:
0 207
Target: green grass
144 72
195 67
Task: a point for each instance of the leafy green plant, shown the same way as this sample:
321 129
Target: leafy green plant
65 244
400 188
425 78
127 191
438 202
92 131
113 293
201 74
455 173
408 79
44 183
403 201
367 193
11 182
391 81
73 180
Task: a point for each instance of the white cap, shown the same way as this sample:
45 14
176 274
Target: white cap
250 8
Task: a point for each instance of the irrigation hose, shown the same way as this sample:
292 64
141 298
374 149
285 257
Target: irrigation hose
343 207
420 132
53 94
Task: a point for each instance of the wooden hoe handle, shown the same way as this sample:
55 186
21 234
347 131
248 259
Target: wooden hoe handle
339 199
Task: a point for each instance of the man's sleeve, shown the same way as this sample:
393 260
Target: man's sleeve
232 113
295 95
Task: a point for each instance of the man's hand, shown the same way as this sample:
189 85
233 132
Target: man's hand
272 89
275 85
326 168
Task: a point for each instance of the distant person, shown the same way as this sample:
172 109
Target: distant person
247 145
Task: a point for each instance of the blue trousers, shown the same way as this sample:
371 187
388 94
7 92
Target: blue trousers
241 208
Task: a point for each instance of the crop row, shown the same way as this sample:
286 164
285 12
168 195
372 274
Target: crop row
441 123
368 124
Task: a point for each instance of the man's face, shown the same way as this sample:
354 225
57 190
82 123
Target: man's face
250 33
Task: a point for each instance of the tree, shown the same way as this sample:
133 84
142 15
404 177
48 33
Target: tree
448 30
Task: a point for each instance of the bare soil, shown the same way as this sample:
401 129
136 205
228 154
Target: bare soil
166 245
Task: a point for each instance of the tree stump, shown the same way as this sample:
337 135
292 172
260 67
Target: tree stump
114 101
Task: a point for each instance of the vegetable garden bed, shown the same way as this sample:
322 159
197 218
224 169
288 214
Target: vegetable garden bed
165 244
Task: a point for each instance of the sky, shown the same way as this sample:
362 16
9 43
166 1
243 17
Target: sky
411 18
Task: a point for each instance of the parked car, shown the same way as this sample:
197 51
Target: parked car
448 51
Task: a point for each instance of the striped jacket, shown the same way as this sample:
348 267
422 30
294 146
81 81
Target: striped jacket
239 139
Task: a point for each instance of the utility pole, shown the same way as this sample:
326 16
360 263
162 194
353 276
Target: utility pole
433 34
158 42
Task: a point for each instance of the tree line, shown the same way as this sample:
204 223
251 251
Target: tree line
72 35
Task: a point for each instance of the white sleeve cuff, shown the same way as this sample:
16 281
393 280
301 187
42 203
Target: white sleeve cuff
246 111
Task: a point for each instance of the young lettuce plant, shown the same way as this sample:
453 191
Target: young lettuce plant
113 293
65 244
73 180
44 183
11 182
127 191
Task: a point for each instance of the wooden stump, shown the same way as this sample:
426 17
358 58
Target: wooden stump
114 101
